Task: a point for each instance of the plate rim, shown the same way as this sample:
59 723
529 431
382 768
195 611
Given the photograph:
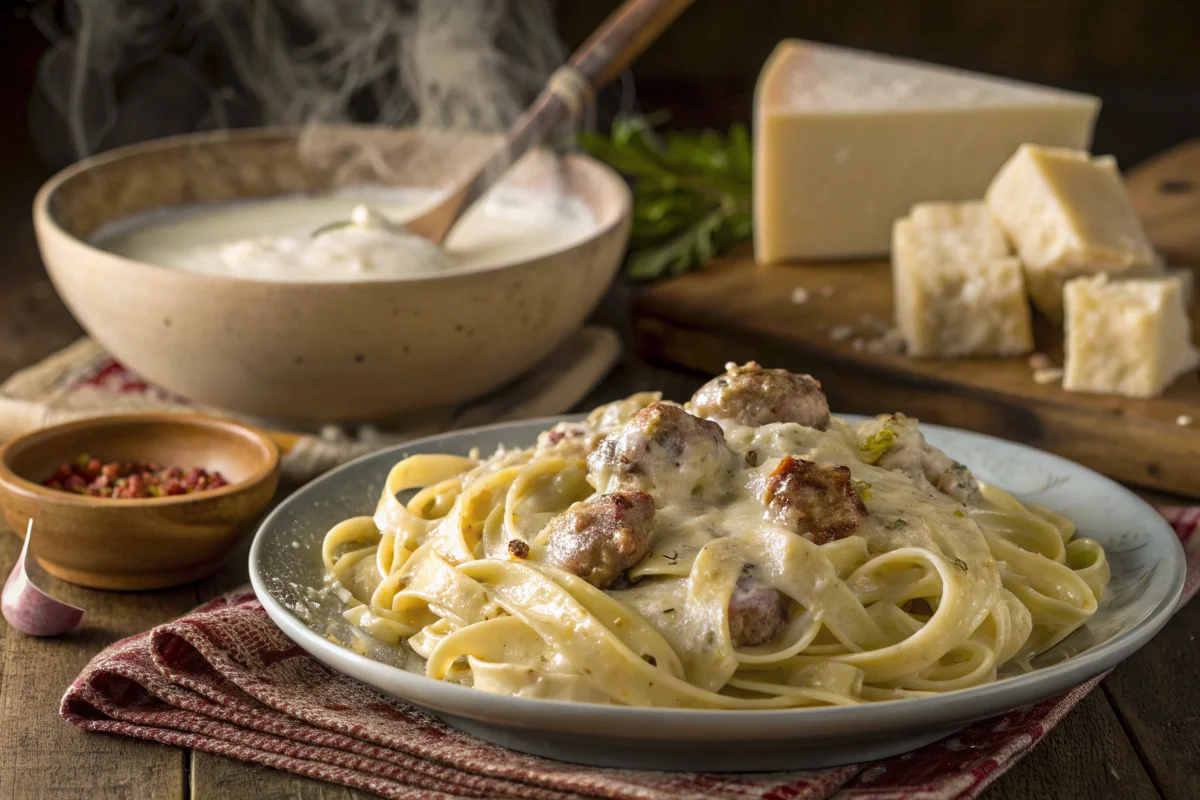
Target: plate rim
635 722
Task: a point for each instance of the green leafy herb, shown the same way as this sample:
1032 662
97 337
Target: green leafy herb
958 512
900 523
877 444
958 562
691 192
863 488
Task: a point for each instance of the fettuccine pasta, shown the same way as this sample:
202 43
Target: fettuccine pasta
745 550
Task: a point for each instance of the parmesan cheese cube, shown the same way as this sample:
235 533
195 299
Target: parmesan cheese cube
847 141
1068 215
1127 337
958 290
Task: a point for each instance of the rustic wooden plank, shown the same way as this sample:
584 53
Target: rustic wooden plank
1156 694
42 756
219 778
1086 756
1166 191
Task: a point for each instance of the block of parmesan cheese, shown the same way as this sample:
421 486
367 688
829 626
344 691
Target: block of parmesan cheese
1129 337
958 289
845 142
1068 215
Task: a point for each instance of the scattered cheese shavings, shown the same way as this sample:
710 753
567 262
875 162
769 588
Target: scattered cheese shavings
1183 419
841 333
1040 361
873 323
890 343
1047 375
799 295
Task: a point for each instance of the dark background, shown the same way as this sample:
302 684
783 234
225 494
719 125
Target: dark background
1142 57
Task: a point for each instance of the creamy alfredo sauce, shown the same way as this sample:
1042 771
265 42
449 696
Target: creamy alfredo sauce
273 239
926 595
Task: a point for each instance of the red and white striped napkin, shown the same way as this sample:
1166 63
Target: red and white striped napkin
225 680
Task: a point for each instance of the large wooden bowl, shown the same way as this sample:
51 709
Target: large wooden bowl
320 351
146 543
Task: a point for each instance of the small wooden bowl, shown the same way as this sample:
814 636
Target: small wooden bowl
148 543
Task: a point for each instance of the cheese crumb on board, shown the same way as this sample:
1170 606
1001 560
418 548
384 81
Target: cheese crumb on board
847 141
958 290
1129 337
1047 375
1068 215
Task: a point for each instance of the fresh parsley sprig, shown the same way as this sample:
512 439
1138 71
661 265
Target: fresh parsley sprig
691 192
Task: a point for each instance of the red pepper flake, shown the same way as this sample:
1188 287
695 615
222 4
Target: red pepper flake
131 479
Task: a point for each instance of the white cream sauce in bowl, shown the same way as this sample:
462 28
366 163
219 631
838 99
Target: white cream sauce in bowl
325 341
351 234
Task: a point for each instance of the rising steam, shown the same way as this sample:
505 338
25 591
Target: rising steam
124 70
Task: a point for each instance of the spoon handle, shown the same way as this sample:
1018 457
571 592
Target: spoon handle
615 45
623 37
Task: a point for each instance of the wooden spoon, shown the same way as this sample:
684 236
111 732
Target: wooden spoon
623 37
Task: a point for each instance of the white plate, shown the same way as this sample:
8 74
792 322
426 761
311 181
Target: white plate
1147 580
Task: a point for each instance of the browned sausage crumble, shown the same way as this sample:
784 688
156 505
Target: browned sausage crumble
816 501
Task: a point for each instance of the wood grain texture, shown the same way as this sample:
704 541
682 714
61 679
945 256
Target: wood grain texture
1156 693
218 778
1086 756
736 310
42 756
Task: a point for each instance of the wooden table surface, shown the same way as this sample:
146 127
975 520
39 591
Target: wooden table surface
1136 737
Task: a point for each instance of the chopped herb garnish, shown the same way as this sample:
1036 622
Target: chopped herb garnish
752 458
668 611
958 562
899 523
877 444
958 512
863 488
649 659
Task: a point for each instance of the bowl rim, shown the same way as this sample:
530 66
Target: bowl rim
45 220
267 469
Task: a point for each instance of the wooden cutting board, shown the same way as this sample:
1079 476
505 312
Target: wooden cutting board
734 310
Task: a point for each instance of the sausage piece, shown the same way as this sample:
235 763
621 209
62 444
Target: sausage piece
663 450
756 613
752 395
601 537
817 501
